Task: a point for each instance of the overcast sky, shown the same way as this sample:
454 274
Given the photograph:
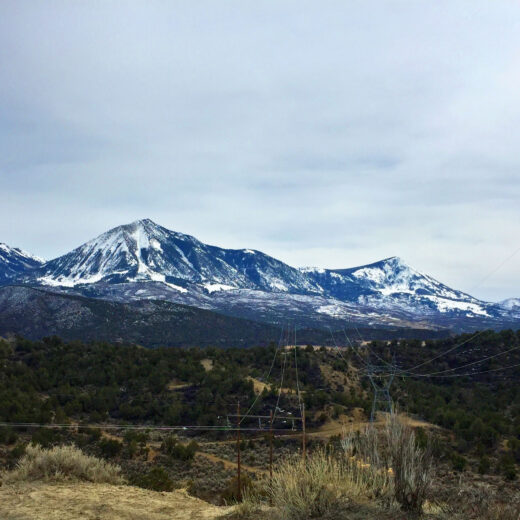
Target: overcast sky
323 133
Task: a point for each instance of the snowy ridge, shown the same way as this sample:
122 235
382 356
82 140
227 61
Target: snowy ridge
144 260
145 251
15 261
511 304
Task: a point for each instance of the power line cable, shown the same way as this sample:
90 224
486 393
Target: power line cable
281 385
296 371
268 375
447 351
471 373
462 366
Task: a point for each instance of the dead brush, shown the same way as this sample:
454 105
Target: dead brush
308 489
390 465
412 466
62 463
467 502
365 465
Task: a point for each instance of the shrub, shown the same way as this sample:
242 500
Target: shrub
7 435
412 466
366 465
173 448
484 465
46 437
458 462
507 466
230 493
307 490
157 479
393 463
110 447
63 463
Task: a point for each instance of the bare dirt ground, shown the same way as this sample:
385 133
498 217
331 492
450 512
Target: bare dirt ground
260 386
87 501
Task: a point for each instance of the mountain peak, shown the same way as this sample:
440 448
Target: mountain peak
144 251
145 222
14 261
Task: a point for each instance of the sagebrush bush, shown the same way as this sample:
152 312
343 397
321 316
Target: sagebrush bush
391 463
62 463
412 465
308 489
157 479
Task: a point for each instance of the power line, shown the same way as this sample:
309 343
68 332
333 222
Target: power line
281 385
462 366
268 375
469 373
296 372
447 351
133 427
493 271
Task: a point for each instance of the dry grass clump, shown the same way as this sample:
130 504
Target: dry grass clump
390 464
309 489
467 502
366 465
62 463
412 466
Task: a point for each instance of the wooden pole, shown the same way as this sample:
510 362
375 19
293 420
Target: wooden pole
271 446
304 446
239 484
270 455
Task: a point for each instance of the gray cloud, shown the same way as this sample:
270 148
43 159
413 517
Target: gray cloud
332 133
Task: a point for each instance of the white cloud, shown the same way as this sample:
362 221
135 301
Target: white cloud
331 133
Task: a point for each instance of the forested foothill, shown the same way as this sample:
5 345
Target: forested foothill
470 407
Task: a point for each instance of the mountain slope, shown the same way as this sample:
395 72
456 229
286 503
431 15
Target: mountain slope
14 262
35 313
392 284
143 260
145 251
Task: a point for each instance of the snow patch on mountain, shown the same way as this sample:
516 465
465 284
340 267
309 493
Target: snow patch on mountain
213 287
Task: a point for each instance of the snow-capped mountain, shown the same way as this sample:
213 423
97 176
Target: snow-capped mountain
143 260
144 251
511 304
391 283
14 262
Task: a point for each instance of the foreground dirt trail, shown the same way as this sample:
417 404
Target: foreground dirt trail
86 501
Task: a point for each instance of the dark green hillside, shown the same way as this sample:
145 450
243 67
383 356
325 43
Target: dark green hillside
35 313
52 380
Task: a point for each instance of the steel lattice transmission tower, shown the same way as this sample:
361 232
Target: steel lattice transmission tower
381 378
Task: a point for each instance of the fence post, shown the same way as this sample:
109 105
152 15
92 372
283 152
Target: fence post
239 484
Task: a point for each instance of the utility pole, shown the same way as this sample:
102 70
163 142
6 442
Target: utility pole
270 456
271 446
239 486
304 440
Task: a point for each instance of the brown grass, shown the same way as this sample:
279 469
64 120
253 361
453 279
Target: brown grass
62 463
